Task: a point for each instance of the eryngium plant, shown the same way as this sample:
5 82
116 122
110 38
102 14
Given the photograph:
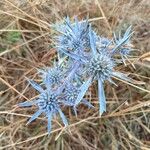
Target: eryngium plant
85 58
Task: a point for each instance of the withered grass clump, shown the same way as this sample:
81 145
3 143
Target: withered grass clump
26 43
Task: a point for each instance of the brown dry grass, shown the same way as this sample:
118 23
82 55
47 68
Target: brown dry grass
26 43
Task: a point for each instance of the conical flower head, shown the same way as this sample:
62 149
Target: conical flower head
48 102
70 94
51 76
101 66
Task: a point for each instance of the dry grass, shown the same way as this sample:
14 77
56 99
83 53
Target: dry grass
26 43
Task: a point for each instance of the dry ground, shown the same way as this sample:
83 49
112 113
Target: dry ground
26 43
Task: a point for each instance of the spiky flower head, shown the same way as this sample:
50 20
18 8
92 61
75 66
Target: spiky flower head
51 76
73 33
69 97
101 66
47 103
74 37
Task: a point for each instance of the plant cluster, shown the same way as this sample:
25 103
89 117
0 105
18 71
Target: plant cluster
83 58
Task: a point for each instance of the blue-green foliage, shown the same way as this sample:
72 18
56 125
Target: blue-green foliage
87 57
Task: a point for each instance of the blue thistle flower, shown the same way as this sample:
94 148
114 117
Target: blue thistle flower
74 38
47 103
101 66
70 95
51 76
